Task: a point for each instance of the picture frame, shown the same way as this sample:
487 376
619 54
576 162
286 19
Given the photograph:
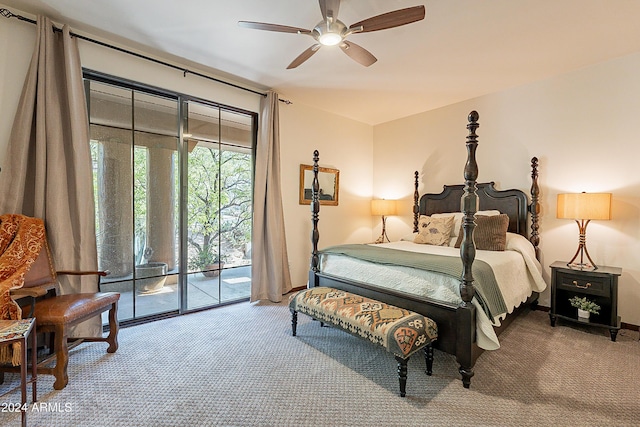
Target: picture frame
329 180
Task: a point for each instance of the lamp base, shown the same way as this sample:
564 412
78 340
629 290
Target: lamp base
383 236
582 266
381 239
582 250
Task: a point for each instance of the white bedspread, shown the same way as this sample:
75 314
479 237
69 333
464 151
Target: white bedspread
516 270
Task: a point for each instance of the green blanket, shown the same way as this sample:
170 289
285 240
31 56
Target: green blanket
488 293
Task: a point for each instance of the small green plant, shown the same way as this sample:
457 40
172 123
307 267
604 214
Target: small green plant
203 258
584 304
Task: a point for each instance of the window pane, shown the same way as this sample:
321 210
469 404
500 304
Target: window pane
153 114
136 191
219 209
110 105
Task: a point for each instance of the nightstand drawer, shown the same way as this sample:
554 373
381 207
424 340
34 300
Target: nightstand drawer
591 285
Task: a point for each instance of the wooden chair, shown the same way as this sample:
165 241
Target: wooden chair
56 313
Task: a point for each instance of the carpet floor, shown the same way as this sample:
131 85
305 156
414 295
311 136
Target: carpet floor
239 366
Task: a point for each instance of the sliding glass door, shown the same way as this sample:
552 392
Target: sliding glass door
173 184
218 209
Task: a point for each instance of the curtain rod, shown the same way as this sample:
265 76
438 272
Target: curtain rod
8 14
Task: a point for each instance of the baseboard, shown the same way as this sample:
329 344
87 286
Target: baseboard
623 325
629 326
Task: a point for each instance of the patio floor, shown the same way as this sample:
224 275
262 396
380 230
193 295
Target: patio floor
232 284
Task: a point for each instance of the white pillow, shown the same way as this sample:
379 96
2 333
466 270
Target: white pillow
409 237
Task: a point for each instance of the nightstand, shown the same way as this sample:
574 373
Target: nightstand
599 285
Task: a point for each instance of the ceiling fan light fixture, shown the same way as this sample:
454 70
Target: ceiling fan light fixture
331 31
330 39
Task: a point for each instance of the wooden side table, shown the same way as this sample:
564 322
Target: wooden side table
12 331
600 286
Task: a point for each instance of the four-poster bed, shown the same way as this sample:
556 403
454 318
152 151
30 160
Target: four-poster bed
467 321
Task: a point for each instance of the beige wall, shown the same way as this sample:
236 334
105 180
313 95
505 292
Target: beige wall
583 128
16 46
344 145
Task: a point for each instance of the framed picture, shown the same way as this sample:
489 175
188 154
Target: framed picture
328 179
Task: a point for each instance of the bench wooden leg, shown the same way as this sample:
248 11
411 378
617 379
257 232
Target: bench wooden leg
402 375
294 322
112 338
428 356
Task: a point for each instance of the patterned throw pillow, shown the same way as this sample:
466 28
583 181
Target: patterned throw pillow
434 231
490 233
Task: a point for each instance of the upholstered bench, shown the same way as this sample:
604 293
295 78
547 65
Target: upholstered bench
399 331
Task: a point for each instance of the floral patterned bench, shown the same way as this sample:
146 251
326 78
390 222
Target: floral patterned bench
399 331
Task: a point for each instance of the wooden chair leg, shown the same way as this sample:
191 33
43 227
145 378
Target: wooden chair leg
23 381
112 338
62 358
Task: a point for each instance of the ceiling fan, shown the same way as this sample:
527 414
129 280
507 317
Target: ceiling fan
331 31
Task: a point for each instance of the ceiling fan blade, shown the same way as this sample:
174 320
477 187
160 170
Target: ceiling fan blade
358 53
329 8
304 56
273 27
390 19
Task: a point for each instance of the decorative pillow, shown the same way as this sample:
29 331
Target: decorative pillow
490 233
457 219
434 231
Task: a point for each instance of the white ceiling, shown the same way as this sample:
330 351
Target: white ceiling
462 49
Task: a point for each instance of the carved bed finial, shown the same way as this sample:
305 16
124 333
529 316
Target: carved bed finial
416 203
534 207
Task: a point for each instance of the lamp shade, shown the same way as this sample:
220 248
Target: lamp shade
384 207
584 206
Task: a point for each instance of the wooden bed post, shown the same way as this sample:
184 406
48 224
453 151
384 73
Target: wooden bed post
534 207
416 204
469 206
315 235
465 315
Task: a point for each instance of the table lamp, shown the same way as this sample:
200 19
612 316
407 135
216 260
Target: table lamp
383 208
583 207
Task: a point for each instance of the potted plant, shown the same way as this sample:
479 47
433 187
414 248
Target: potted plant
585 307
207 261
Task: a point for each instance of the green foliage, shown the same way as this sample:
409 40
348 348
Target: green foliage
584 304
218 203
203 258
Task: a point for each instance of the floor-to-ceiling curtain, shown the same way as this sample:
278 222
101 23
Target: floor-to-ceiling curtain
47 168
270 276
